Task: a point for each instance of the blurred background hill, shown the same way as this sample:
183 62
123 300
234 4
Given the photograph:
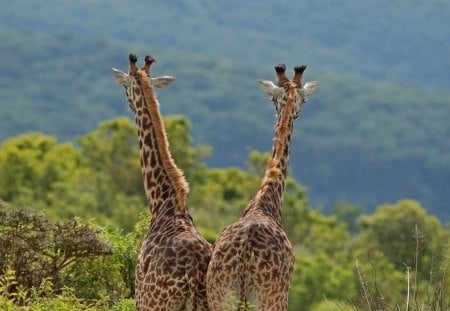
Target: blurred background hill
375 131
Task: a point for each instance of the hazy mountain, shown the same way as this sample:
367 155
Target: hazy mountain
376 130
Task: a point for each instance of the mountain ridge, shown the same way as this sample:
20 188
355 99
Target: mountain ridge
370 126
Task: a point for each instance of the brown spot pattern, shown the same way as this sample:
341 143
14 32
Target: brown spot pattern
252 260
172 264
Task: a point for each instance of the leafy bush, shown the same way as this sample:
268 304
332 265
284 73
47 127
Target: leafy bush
36 248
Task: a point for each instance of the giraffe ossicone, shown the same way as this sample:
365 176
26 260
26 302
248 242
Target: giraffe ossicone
158 82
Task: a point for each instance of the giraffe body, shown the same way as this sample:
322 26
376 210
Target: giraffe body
172 264
242 266
170 273
252 260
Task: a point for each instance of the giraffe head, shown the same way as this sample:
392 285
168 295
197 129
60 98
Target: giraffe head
288 89
129 80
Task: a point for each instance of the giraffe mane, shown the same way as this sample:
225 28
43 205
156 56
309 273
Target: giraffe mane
175 175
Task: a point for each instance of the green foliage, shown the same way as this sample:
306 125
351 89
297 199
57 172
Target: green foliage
318 276
222 193
11 291
68 301
344 261
381 284
330 305
323 264
384 288
98 178
34 162
124 305
113 274
348 213
403 229
61 266
112 177
37 248
112 149
399 264
44 298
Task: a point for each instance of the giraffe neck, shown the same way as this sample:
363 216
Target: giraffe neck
164 182
269 197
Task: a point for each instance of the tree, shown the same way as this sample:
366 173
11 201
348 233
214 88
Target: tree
403 232
348 213
401 255
37 248
112 275
111 152
99 177
34 163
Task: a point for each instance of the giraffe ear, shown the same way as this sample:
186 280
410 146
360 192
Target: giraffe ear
270 88
162 82
309 88
121 77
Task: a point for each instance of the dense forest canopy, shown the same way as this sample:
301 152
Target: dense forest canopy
375 131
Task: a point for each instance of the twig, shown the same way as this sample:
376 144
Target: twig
417 237
363 285
408 275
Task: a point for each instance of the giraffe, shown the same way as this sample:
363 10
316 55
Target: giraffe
252 260
172 264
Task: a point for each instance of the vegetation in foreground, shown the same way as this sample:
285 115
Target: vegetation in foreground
73 217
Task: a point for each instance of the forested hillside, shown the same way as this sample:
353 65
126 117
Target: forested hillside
379 39
375 131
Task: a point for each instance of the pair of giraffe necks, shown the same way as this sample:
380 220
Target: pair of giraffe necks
273 182
276 170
